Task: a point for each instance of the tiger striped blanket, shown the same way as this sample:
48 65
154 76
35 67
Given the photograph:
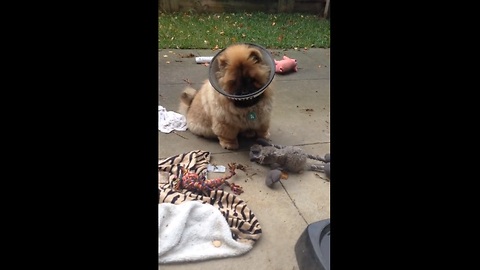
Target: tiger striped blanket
242 222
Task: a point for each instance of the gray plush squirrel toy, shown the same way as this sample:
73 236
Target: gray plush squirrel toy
285 158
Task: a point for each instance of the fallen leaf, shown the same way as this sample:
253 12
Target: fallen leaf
273 24
165 55
190 55
168 62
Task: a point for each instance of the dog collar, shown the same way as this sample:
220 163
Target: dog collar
247 102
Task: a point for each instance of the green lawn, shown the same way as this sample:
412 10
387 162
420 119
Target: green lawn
273 31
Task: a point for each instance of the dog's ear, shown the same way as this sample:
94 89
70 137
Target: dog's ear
222 61
255 55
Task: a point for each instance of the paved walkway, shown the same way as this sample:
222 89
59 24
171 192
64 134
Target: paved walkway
301 117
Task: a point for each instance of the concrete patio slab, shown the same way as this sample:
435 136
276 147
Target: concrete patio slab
301 117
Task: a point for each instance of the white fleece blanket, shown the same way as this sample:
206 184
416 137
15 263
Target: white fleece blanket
169 121
192 231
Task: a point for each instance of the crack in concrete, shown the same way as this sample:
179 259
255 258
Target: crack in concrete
293 201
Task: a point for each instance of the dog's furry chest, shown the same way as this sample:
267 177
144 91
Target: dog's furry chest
250 117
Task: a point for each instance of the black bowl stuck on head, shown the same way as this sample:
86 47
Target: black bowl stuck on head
215 67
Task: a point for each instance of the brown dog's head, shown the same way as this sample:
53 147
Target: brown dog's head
242 70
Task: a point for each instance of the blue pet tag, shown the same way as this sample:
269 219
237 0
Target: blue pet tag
251 116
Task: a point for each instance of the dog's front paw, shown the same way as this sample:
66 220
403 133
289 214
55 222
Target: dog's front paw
229 144
264 135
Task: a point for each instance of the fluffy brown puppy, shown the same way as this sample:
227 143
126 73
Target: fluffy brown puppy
242 70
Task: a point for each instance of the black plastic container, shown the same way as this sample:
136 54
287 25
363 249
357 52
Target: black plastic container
313 246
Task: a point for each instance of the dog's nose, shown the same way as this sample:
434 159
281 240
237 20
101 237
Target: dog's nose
242 91
245 86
